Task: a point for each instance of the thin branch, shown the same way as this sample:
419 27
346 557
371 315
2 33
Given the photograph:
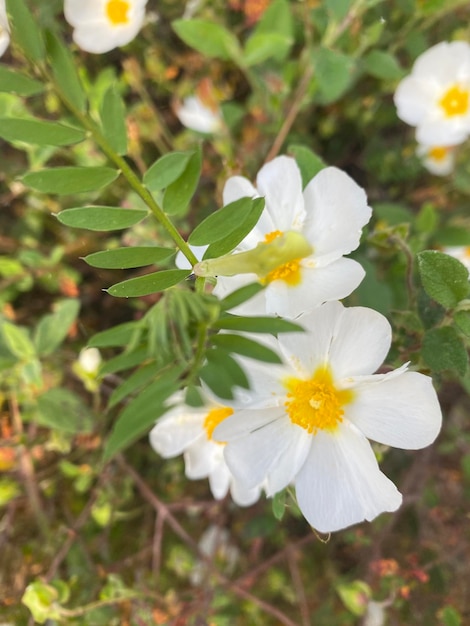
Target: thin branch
292 561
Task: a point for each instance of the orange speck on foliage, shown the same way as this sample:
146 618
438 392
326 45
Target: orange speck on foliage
7 459
171 72
68 286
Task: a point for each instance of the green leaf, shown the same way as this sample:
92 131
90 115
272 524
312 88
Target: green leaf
392 213
166 170
52 329
135 381
101 218
383 65
239 296
277 19
230 241
279 504
258 324
444 278
444 350
218 380
450 616
179 193
113 120
142 412
246 347
64 71
334 73
42 601
212 40
453 236
120 335
17 341
355 596
309 163
124 258
39 132
68 180
145 285
124 361
462 321
14 82
61 409
263 46
226 363
338 8
222 222
24 30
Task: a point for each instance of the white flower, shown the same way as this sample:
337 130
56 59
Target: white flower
436 96
194 114
329 214
461 253
439 160
89 360
4 28
215 544
188 430
101 25
307 422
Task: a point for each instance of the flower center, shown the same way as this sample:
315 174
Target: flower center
438 153
455 101
316 403
116 11
288 272
213 419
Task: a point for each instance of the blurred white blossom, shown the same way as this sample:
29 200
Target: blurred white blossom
439 160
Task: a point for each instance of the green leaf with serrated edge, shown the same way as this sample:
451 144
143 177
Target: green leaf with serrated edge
261 47
64 70
101 218
68 180
146 285
228 365
14 82
222 222
228 243
125 258
124 361
53 328
24 30
61 409
462 321
135 381
443 349
444 278
212 40
39 132
309 163
239 296
383 65
258 324
166 170
279 504
120 335
17 340
334 73
219 381
246 347
179 193
142 412
113 120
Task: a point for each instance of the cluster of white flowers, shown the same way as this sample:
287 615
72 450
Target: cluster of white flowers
305 423
435 98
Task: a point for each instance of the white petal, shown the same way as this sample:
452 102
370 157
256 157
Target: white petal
82 11
4 41
401 411
242 496
220 478
414 97
182 262
280 182
241 423
337 210
178 429
238 187
449 132
229 284
290 462
341 484
200 458
444 63
99 37
195 115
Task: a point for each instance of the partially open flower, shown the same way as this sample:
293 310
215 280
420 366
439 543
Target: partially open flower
101 25
439 160
4 28
436 96
194 114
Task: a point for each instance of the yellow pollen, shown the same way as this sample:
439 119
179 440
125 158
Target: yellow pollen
316 403
289 272
438 153
272 236
117 10
213 419
455 101
466 252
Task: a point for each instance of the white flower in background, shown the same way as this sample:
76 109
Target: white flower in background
439 160
4 28
461 253
101 25
188 430
215 544
307 422
196 115
89 360
436 96
327 220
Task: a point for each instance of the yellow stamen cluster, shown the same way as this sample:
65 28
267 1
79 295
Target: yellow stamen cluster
116 12
456 101
438 153
288 272
316 404
213 419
